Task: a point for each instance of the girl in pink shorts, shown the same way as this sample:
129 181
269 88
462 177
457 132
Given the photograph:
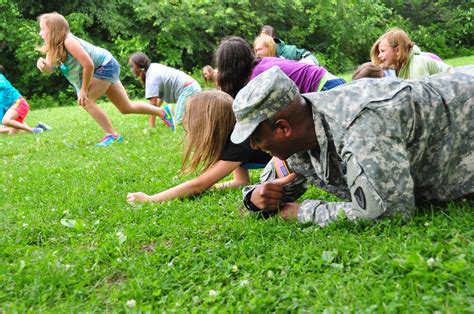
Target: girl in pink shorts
14 108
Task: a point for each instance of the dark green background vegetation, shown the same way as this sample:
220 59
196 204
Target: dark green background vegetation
184 34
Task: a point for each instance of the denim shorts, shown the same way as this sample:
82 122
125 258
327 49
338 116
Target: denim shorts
109 71
330 84
250 165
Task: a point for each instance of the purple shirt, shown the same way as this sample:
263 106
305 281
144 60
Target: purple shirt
430 55
306 76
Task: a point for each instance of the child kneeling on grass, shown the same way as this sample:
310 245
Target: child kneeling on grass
14 108
208 122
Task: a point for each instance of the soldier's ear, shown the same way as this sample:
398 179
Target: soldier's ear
282 128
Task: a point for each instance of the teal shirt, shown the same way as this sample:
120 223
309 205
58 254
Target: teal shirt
73 73
8 95
290 52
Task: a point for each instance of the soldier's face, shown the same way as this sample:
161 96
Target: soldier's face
271 141
388 54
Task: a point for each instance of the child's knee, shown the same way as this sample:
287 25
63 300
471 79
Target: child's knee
126 110
6 121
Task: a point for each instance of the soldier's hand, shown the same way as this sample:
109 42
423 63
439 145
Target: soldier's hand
269 195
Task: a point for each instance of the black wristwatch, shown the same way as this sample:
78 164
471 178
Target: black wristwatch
248 203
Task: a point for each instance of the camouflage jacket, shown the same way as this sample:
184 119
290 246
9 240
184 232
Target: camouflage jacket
389 143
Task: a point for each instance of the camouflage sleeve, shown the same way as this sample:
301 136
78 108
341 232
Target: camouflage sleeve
380 186
293 190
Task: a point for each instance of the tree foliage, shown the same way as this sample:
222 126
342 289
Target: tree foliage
184 34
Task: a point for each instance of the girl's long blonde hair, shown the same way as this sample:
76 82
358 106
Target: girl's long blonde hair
208 122
395 37
58 28
268 42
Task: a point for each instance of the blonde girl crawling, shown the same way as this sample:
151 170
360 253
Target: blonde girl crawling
395 50
208 122
91 70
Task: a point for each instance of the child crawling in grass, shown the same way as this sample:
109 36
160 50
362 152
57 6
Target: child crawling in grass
208 122
14 108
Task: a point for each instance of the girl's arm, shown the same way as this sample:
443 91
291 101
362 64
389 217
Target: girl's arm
155 101
192 187
75 49
43 65
241 178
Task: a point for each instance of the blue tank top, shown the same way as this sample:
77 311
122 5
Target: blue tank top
8 94
72 69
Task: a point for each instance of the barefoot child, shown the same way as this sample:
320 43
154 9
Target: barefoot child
92 71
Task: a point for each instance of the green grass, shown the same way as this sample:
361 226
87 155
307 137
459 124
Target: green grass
455 62
69 242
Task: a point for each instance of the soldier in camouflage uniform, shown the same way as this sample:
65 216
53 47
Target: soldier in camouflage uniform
381 144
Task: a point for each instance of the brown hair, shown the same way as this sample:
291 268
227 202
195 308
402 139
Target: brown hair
235 60
268 30
266 41
208 122
142 61
369 70
58 28
395 38
3 70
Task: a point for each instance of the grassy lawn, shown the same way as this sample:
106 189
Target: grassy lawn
69 242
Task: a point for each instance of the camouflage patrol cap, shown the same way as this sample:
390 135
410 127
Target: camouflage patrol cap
265 95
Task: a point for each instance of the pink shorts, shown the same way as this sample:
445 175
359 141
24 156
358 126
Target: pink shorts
21 107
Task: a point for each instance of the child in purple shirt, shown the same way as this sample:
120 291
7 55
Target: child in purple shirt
309 78
238 65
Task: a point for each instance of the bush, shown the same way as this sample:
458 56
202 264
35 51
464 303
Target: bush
184 34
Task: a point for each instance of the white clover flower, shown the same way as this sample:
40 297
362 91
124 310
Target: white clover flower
427 224
431 261
121 237
25 225
212 293
244 283
235 268
131 303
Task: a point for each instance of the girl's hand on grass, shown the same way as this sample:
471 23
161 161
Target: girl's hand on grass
138 197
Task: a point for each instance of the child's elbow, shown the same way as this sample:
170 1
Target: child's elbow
89 67
200 185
